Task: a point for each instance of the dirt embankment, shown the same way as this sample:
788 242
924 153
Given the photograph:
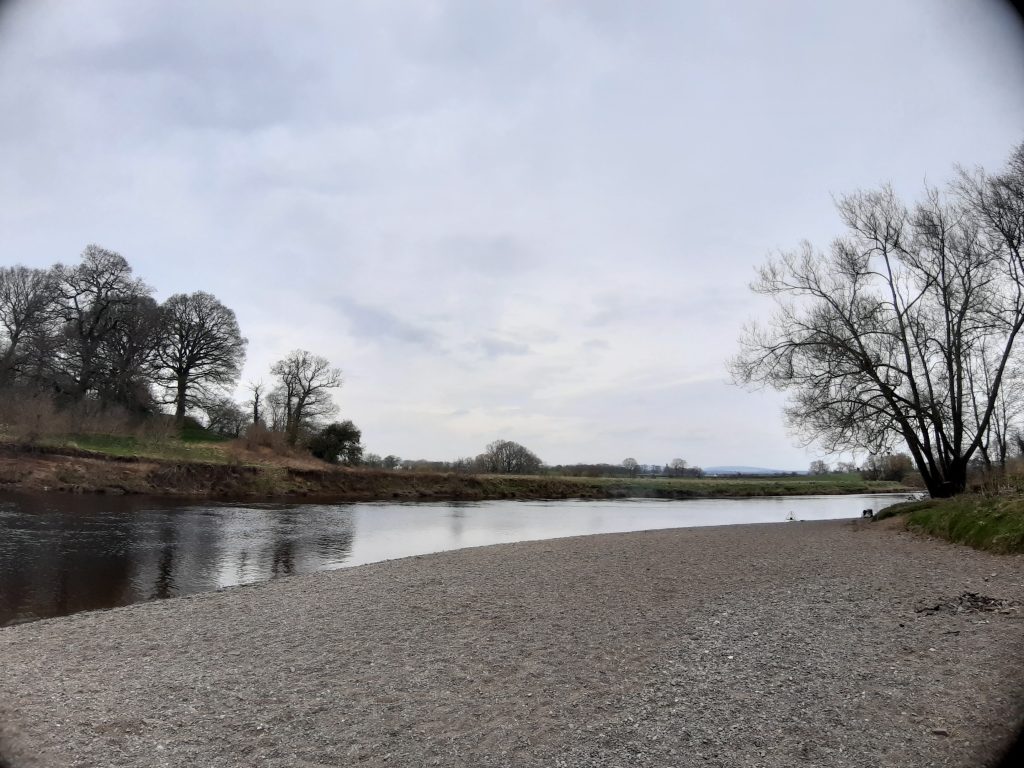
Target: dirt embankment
69 469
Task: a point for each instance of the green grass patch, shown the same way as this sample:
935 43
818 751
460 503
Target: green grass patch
168 448
991 523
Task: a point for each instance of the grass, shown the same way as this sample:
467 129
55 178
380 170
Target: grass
168 448
991 523
277 473
193 443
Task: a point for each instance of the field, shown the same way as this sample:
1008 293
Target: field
800 485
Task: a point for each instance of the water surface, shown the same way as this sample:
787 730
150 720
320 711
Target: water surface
60 554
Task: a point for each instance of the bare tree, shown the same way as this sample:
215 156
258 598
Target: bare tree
995 442
89 295
304 389
819 467
510 458
202 350
225 417
896 466
256 388
903 332
128 354
26 301
631 465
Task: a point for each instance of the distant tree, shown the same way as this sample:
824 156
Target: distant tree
509 458
463 465
893 466
256 388
202 350
391 461
631 466
274 413
225 417
338 442
819 467
304 389
678 467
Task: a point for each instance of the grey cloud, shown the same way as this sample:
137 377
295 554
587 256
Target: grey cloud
488 255
375 323
497 347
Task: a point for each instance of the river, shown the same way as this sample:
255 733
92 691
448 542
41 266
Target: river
60 554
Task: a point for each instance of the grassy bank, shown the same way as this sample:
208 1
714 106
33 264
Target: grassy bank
125 465
991 523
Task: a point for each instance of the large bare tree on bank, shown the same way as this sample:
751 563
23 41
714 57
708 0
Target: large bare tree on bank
304 389
905 330
202 350
91 301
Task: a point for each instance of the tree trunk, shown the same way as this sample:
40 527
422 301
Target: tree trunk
953 483
179 404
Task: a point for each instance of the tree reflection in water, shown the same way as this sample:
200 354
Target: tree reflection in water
61 554
65 553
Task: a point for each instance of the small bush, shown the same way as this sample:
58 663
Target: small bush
30 416
338 442
257 436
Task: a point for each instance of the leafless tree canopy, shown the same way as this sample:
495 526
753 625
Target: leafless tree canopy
201 352
90 335
303 394
26 302
905 330
91 302
507 457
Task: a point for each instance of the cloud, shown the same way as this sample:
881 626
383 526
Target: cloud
376 324
507 219
497 347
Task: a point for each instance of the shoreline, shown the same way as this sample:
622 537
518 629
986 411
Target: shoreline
761 645
49 469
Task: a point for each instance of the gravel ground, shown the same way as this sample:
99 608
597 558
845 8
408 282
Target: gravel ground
817 644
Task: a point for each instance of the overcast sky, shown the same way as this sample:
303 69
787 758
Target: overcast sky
528 220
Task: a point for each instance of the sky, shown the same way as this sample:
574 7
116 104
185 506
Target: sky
534 221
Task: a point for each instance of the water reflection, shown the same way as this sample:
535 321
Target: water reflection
63 554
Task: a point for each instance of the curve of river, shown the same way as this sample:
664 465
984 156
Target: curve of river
62 554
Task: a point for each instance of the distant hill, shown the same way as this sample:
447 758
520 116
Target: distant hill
740 470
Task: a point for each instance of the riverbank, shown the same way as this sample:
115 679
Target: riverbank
828 643
992 522
73 470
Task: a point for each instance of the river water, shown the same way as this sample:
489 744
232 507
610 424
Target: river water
60 554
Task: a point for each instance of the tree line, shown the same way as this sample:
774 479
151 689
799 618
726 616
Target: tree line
507 457
93 331
91 336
